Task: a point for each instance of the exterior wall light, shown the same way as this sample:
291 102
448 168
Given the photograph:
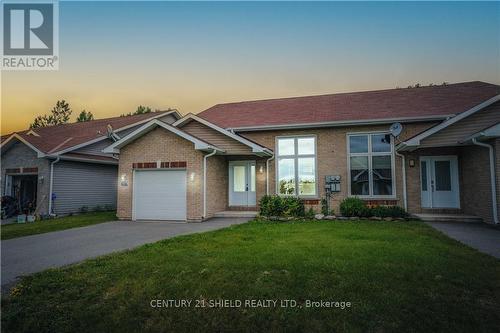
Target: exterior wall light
191 176
123 180
261 169
411 163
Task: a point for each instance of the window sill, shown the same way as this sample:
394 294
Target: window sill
365 197
305 197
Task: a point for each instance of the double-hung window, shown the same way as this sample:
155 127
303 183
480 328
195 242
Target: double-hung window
371 165
296 166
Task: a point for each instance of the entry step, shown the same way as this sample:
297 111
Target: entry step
236 213
449 218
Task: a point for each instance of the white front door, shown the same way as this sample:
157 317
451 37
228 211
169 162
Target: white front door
439 182
242 183
159 195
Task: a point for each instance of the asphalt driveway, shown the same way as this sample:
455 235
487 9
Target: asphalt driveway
31 254
482 237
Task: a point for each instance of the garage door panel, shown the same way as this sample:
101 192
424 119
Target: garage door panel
160 195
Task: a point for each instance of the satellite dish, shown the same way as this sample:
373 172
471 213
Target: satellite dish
111 134
396 129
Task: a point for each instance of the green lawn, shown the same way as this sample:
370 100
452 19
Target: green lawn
39 227
399 277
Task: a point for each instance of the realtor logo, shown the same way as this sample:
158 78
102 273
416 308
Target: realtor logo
30 35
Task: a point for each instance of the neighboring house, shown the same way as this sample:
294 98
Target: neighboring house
66 163
446 160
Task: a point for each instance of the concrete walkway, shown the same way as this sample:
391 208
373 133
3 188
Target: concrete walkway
482 237
31 254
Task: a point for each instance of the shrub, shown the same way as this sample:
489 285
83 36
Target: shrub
276 205
84 209
264 203
98 208
354 207
293 207
397 211
388 211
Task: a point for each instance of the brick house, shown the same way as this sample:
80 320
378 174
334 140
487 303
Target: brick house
445 160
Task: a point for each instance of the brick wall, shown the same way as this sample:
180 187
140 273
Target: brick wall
161 145
217 185
332 154
475 186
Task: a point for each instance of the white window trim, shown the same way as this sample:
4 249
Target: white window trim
295 157
370 154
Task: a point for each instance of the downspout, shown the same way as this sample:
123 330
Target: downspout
403 170
52 182
492 177
267 173
205 182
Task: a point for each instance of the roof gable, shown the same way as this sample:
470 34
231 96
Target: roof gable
201 131
223 138
18 138
146 128
452 131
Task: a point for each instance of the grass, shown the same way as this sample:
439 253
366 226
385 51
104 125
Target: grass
9 231
399 277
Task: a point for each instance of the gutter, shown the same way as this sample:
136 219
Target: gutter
51 185
492 177
90 161
205 182
267 173
340 123
403 170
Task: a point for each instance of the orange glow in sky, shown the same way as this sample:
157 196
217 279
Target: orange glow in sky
191 56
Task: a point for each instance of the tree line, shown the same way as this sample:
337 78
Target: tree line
61 113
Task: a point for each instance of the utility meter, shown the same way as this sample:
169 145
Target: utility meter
332 183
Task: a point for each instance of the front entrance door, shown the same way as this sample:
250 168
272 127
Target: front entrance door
242 183
439 182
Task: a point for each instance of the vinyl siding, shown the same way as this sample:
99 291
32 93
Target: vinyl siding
21 156
96 148
218 139
464 128
169 119
83 184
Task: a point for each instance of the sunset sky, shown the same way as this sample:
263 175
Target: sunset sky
115 56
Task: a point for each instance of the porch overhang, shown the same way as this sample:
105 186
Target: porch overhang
416 142
257 149
489 133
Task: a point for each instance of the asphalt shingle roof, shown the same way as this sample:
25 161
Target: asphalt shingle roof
444 100
56 138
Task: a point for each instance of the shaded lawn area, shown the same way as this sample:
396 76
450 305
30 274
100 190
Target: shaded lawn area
399 276
9 231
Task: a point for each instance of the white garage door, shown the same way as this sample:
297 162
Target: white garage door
159 195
